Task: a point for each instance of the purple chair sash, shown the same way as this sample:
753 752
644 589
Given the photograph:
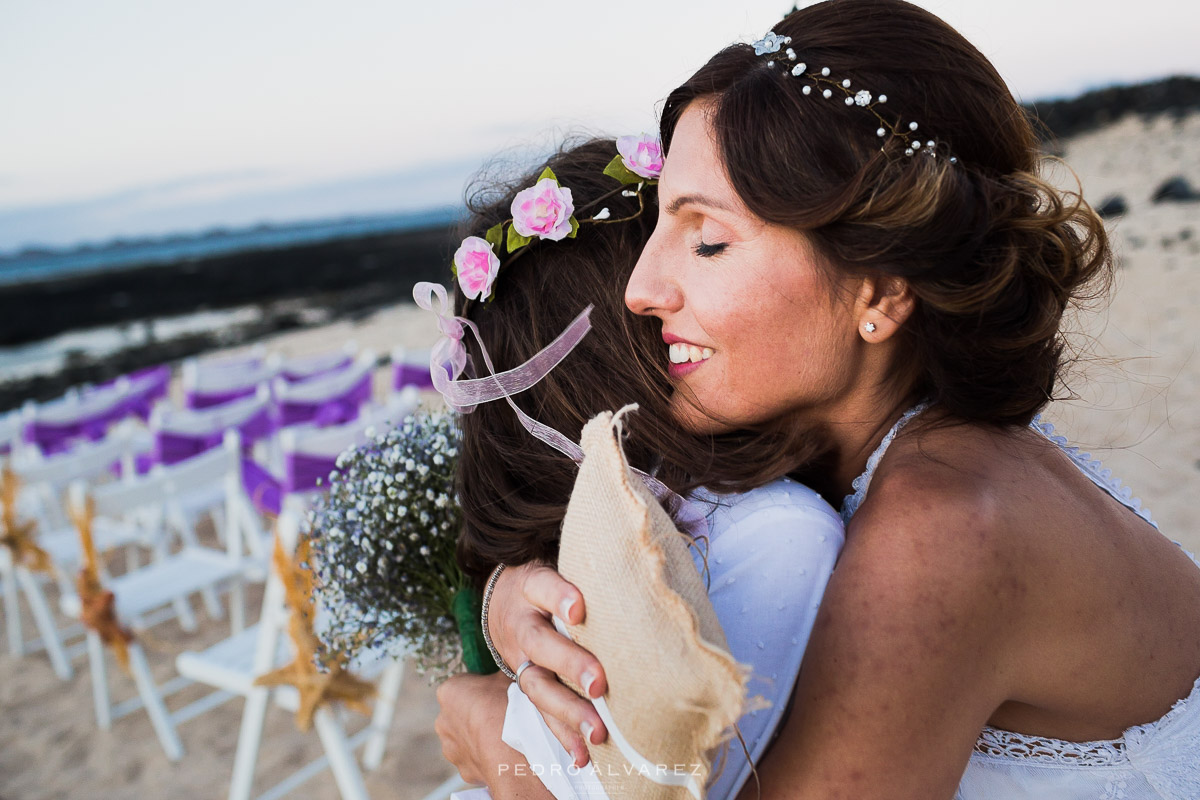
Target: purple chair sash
52 438
301 377
171 447
301 474
411 375
146 387
196 400
334 411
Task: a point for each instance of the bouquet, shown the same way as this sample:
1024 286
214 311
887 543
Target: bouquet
383 543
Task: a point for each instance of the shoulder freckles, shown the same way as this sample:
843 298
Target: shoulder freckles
936 522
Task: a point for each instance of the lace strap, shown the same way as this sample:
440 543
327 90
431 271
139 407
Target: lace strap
1095 471
862 482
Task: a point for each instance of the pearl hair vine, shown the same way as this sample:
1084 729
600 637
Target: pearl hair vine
822 82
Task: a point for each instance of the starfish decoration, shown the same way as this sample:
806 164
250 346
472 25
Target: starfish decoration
97 604
18 536
316 687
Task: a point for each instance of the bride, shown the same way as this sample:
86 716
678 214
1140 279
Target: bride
852 223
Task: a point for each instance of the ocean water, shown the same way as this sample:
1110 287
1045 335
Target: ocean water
37 265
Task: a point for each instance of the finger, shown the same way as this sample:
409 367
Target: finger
571 739
546 647
555 700
545 588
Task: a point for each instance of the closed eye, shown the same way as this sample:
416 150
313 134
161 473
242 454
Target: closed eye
705 250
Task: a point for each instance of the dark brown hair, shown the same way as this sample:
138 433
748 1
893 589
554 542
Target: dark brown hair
513 488
993 253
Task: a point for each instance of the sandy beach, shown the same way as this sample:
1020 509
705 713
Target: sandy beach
1135 406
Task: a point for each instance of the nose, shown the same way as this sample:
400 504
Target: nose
652 289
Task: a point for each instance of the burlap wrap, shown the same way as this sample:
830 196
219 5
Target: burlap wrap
673 688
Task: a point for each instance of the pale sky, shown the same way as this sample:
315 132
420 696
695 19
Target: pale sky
128 117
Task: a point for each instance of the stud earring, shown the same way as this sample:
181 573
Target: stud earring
869 327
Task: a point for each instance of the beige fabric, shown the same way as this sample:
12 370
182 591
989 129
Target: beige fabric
673 688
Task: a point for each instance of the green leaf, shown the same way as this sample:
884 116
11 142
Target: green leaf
516 240
453 268
495 237
548 173
617 169
574 228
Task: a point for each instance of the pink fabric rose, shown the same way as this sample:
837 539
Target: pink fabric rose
641 155
477 267
543 210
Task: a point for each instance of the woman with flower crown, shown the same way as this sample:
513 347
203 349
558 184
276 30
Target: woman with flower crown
853 227
542 248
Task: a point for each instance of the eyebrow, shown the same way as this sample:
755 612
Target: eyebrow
695 199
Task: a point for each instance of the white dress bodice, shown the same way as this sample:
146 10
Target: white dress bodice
1156 761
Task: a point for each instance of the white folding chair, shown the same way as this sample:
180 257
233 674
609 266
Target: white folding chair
327 388
298 369
233 665
207 384
167 582
43 485
193 427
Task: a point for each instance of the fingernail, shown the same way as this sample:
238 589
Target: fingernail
586 729
587 680
564 609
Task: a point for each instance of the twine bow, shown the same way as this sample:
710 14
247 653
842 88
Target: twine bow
97 604
18 536
316 687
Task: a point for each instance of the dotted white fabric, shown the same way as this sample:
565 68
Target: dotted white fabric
1156 761
770 554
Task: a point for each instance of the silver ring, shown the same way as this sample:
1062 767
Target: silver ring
526 664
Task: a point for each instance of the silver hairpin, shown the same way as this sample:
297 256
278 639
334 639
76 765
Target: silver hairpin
863 98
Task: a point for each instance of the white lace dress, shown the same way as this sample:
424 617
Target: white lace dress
1159 760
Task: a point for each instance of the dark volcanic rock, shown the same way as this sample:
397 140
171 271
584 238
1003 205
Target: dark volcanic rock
390 262
1112 206
1063 118
1175 190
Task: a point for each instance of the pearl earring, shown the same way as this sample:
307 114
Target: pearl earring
869 327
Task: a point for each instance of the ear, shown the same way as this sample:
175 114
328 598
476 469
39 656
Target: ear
884 304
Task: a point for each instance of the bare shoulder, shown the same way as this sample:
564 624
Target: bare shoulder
935 537
943 494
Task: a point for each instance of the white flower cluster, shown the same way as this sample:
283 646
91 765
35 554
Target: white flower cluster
384 541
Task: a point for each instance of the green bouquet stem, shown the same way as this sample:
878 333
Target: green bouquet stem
467 607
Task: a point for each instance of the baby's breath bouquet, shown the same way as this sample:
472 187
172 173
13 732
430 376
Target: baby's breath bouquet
383 543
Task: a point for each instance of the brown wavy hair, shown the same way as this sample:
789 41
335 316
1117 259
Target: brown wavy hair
993 253
513 488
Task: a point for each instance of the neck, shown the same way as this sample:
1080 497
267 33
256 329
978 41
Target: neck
855 428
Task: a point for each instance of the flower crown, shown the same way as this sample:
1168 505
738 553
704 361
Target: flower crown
773 42
546 210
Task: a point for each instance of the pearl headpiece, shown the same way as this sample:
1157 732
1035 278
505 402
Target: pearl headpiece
821 81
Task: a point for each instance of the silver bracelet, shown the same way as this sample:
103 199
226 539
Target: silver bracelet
483 621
